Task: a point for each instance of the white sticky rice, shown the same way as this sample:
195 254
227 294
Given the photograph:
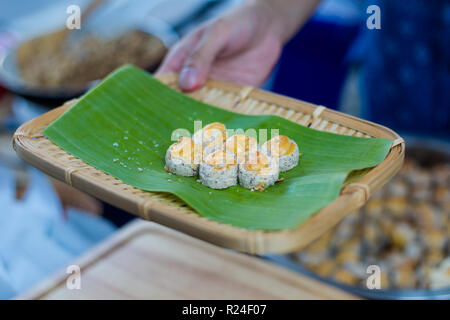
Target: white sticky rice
219 170
276 148
261 171
212 137
180 158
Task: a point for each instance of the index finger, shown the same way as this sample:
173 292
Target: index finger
174 60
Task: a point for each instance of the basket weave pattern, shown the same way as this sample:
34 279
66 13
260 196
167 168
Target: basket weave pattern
169 210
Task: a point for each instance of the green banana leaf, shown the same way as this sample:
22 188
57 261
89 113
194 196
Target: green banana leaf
124 125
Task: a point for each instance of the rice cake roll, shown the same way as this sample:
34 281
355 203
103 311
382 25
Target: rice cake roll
284 150
259 172
212 137
183 158
241 146
219 170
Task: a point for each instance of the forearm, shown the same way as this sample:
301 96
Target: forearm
288 15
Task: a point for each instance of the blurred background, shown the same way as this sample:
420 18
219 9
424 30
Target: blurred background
397 76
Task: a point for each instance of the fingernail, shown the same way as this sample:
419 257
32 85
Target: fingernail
189 78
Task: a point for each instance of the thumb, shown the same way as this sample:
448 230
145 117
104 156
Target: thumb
198 64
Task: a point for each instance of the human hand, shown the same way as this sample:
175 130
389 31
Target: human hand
241 47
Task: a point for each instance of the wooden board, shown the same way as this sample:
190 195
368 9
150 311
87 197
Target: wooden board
148 261
168 210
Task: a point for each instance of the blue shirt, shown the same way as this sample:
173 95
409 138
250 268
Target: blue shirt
406 70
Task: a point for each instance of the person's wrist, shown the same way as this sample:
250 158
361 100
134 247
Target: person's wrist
277 23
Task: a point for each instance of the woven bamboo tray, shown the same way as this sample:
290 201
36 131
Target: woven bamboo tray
168 210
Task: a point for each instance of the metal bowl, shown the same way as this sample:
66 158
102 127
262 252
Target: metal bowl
426 152
11 79
379 294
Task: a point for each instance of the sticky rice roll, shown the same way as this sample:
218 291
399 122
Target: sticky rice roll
212 137
219 170
241 146
259 172
284 150
183 158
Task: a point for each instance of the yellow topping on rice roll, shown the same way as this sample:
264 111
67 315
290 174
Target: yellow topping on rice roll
220 159
215 129
215 125
240 145
280 146
211 137
257 162
186 149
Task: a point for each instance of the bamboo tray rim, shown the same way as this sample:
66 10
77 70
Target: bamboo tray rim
352 197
